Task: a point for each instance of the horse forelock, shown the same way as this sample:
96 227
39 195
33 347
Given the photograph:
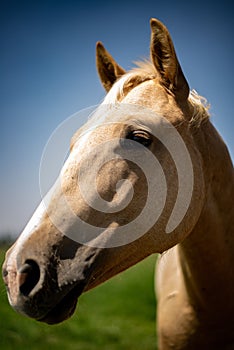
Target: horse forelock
144 71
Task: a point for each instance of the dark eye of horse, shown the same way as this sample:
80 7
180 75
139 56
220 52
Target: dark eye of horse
141 137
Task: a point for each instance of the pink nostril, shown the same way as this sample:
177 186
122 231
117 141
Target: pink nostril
28 277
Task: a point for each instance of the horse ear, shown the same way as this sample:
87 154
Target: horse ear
109 71
164 58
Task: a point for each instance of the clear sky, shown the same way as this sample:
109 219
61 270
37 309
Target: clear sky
47 70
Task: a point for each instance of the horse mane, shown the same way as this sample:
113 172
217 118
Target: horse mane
199 103
142 72
145 70
200 109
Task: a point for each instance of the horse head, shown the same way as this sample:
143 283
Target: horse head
132 186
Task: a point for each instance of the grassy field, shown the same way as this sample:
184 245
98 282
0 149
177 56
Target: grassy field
120 314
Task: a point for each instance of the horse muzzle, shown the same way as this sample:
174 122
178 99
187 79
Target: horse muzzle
46 287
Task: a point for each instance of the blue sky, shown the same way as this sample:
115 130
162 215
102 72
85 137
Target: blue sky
47 69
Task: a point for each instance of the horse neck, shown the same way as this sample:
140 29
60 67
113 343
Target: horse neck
207 254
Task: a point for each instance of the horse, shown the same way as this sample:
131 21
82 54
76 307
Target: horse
148 173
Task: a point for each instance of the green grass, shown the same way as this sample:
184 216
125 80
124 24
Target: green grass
120 314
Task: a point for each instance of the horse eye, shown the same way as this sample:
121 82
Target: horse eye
141 137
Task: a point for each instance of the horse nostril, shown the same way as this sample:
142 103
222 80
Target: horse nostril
28 276
5 276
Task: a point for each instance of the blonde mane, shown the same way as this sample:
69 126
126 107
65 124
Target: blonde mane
200 109
144 71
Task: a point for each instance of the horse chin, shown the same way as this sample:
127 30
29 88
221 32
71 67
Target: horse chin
64 309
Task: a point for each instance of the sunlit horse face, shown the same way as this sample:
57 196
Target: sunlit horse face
90 227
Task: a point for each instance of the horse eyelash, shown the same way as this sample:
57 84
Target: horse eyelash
141 137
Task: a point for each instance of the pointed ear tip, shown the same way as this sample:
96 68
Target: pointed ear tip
99 45
154 22
100 50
